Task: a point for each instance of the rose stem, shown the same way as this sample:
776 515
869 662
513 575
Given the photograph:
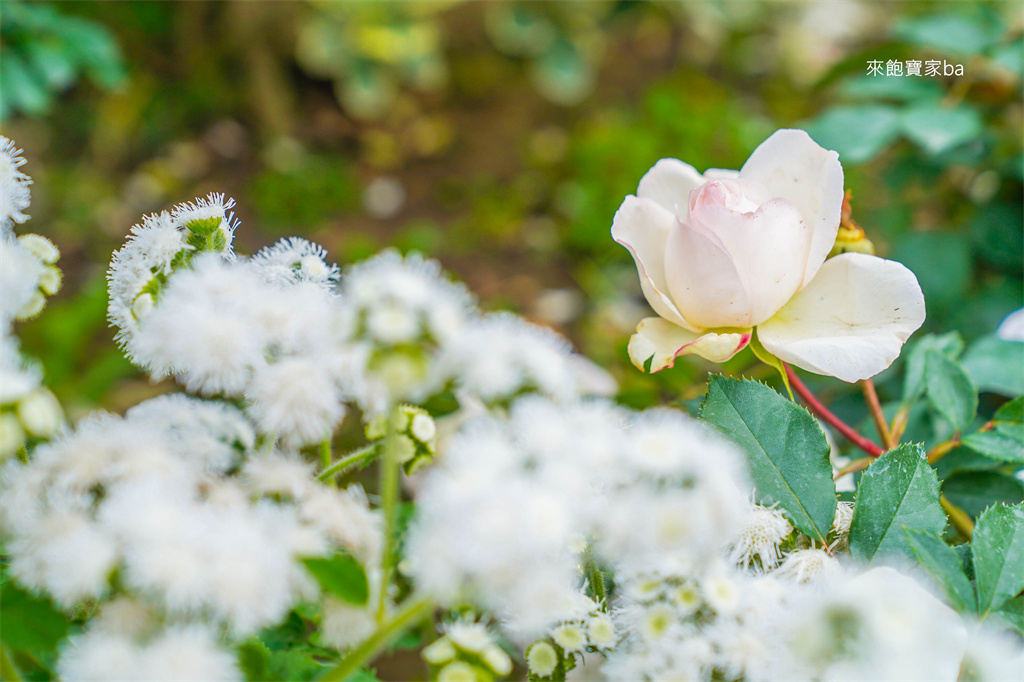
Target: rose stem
876 413
817 408
958 517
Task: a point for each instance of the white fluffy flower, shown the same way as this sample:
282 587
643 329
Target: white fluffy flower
295 399
14 192
808 565
20 271
295 260
761 536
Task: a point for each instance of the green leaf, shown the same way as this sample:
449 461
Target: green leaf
254 659
957 32
950 345
858 133
975 491
996 365
899 490
943 564
998 548
937 128
341 575
950 390
1013 613
996 445
942 263
895 89
29 623
785 447
1011 412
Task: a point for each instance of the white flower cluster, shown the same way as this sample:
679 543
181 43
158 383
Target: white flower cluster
503 519
28 274
201 528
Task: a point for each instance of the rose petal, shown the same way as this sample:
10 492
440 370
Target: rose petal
851 321
704 281
792 166
661 342
643 226
768 247
669 183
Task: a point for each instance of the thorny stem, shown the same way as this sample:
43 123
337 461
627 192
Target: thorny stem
958 517
899 423
389 506
875 406
943 449
413 610
347 461
842 427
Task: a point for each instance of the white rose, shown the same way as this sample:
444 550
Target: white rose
726 252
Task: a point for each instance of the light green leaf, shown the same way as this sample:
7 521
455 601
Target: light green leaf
858 133
998 548
996 365
254 659
937 128
1011 412
1013 613
785 447
899 490
950 390
943 564
341 575
950 345
958 32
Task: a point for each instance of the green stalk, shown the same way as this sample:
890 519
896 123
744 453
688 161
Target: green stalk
325 456
389 506
347 461
413 610
8 671
596 580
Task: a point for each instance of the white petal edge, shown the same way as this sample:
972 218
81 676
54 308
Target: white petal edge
851 321
643 227
793 166
669 183
662 342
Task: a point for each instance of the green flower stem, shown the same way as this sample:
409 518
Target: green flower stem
389 506
596 580
853 467
943 449
413 610
815 406
8 671
325 455
958 518
347 461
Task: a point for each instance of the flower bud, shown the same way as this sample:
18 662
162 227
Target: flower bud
41 247
12 436
497 660
457 671
541 658
439 652
570 637
50 280
40 413
33 307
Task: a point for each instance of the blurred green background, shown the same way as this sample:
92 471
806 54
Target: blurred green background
500 137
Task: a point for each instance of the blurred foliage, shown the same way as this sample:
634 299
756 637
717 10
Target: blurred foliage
44 52
500 137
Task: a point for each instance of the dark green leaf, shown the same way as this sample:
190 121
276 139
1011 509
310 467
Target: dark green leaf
950 390
964 459
950 345
943 564
996 365
896 89
942 263
786 450
998 548
975 491
1011 412
30 623
899 490
858 133
340 575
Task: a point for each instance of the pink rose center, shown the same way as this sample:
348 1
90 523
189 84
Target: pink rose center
738 195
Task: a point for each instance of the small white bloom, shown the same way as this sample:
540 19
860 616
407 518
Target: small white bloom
468 635
14 192
807 565
439 651
423 428
765 530
40 413
295 260
497 660
294 398
721 593
41 247
570 636
345 625
20 272
457 671
541 659
601 631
